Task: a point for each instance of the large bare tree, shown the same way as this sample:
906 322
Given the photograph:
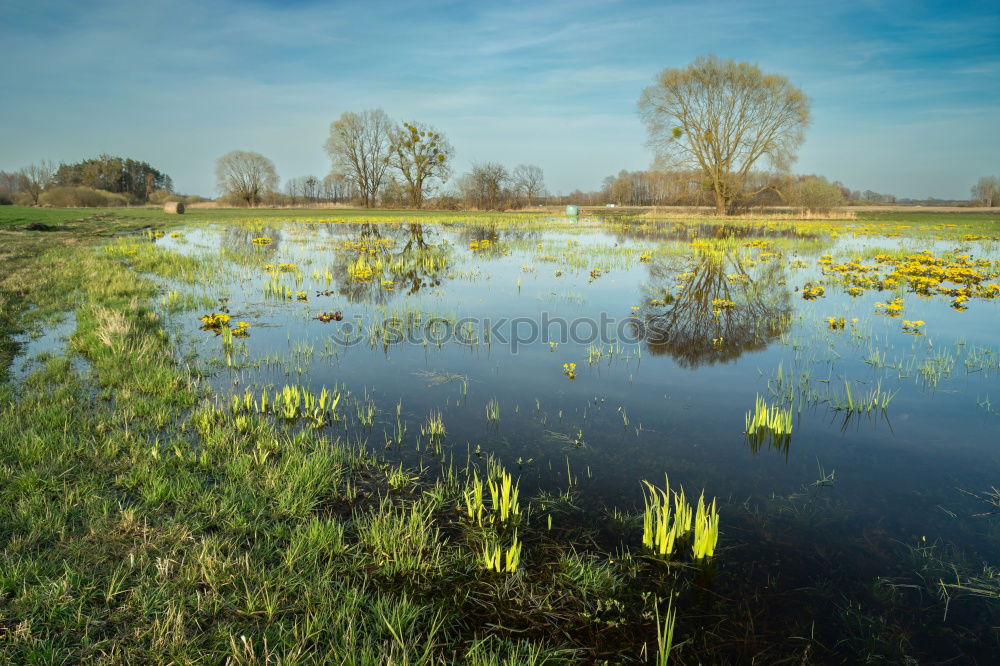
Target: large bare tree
422 156
987 191
529 181
723 117
36 177
359 146
486 187
246 176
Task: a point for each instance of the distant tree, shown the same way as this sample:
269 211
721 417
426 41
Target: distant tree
815 194
359 146
528 181
12 183
310 188
292 190
422 156
122 175
845 191
876 197
986 192
246 176
394 193
36 177
486 186
606 186
722 117
305 189
338 187
621 189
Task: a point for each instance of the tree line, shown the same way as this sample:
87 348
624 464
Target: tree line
761 189
108 178
378 162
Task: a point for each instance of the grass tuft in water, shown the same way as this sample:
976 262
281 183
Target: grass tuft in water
768 424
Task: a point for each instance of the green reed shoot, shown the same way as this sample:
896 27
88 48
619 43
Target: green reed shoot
496 559
366 413
776 420
659 533
434 428
667 520
665 634
682 513
473 496
493 411
772 425
503 498
292 403
706 530
875 399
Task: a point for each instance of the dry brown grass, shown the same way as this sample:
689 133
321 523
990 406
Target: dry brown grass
307 206
776 213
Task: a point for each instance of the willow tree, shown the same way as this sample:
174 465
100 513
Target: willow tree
723 118
245 176
422 156
36 177
529 181
359 146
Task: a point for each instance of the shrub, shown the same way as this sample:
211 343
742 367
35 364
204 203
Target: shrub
815 194
81 197
160 197
446 202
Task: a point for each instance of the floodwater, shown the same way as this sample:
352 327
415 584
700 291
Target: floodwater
456 317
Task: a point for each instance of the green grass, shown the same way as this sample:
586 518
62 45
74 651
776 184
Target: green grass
20 215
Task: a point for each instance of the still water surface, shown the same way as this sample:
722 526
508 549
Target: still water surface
669 397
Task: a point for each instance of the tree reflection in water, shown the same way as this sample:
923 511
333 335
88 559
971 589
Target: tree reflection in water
410 256
236 243
686 325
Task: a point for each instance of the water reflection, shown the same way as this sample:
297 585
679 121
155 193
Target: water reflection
683 232
236 243
491 242
723 306
378 262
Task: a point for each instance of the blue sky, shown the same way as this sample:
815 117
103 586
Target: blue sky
906 95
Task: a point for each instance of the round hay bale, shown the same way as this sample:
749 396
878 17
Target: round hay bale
174 207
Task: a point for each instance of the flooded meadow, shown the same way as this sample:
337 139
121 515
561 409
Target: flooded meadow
780 435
